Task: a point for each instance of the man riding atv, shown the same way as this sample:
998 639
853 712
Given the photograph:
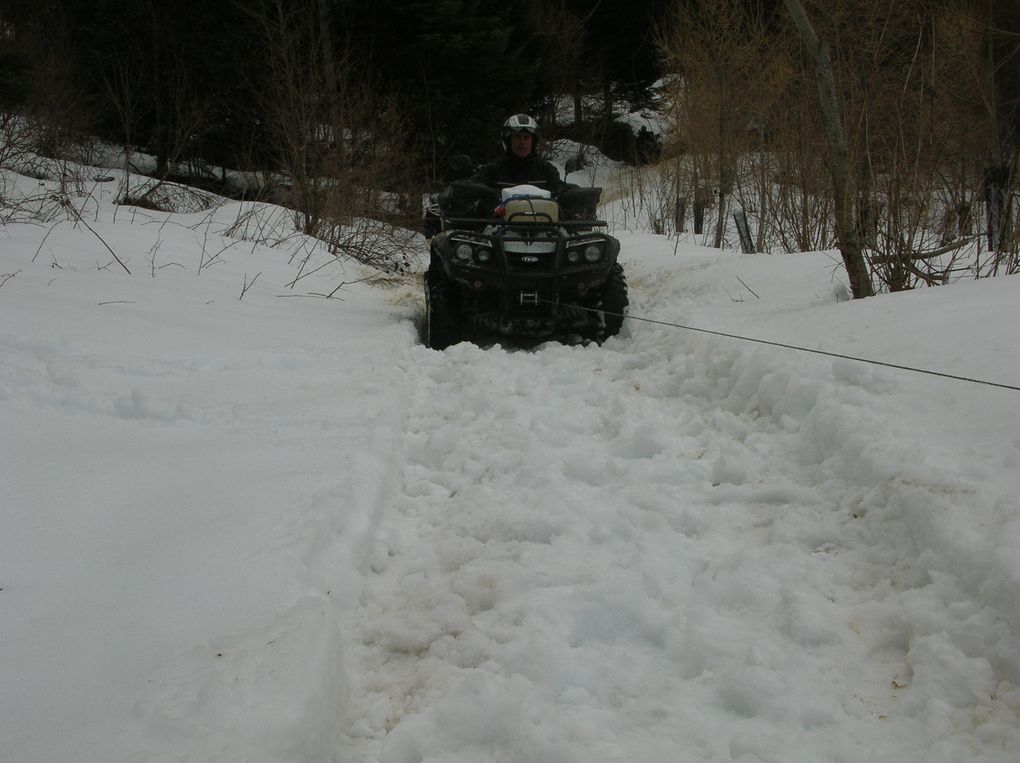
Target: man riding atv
519 164
509 259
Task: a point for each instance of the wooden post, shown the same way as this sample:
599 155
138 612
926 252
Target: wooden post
679 213
701 196
744 230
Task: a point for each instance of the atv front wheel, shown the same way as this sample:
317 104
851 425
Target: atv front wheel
614 301
442 311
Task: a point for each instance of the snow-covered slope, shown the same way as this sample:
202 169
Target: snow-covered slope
277 528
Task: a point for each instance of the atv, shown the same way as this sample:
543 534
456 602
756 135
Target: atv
518 263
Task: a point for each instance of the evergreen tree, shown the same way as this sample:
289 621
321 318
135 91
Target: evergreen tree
459 66
620 47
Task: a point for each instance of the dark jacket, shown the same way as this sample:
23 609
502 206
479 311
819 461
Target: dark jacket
510 170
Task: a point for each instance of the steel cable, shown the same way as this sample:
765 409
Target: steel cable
838 355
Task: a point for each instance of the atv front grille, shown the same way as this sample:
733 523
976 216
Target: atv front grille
529 255
529 262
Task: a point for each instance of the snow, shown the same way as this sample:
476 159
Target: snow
274 527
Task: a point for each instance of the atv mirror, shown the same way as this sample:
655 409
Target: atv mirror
579 203
462 163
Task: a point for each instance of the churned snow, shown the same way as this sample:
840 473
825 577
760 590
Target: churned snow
277 528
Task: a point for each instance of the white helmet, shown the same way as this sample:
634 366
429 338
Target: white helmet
519 123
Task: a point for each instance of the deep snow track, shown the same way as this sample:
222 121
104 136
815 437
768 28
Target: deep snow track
269 529
662 549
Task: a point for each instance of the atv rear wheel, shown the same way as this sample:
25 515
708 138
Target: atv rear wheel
442 310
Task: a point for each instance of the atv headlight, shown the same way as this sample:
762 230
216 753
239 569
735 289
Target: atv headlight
463 252
483 255
593 253
573 256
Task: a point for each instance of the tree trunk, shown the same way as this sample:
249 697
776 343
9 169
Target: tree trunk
607 97
724 187
332 80
1002 26
720 222
846 235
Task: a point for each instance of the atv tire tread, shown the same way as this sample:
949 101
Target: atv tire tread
614 301
442 311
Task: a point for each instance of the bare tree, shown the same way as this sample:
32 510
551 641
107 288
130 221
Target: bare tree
122 84
47 112
918 90
839 155
711 46
908 129
340 146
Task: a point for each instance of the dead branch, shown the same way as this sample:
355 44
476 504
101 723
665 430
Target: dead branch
41 243
887 259
248 284
748 287
67 204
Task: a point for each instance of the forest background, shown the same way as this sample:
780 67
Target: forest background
887 128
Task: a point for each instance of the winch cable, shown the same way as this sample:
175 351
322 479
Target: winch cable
786 346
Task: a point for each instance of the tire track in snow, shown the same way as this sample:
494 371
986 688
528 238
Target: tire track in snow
612 553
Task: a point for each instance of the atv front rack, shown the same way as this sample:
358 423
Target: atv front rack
530 225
